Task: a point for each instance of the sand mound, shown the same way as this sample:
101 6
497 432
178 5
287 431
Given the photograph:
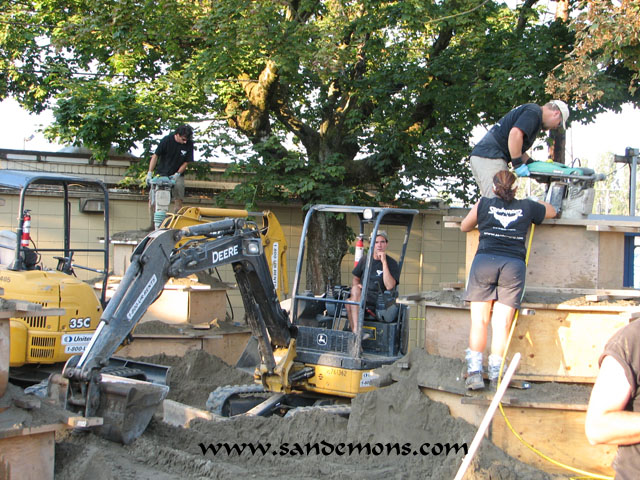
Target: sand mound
394 432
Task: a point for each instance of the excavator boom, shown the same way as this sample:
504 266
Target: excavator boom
127 405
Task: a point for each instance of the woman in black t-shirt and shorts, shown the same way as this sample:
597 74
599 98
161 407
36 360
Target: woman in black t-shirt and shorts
497 275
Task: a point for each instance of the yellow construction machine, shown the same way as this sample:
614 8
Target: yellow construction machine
40 339
306 357
273 238
41 343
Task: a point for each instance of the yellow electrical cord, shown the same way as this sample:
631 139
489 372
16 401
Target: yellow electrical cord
504 356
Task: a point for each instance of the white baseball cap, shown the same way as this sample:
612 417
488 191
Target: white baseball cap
564 110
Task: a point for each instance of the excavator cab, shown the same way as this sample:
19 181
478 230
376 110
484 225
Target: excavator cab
324 340
41 260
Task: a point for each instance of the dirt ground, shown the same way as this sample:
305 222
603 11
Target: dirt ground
397 414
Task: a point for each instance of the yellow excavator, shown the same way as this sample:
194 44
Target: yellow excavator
305 357
40 339
41 343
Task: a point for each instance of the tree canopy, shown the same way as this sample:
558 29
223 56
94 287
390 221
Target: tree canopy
325 101
603 67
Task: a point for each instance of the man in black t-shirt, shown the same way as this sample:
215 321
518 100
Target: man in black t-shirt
510 138
383 275
613 415
172 156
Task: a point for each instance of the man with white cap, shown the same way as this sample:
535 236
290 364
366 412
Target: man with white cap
510 138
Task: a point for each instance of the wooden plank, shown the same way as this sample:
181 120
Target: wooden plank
226 346
610 260
612 228
560 344
29 456
180 415
452 285
515 402
532 377
622 293
556 433
83 422
20 431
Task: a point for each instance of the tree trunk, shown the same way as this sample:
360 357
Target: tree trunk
559 136
558 145
326 247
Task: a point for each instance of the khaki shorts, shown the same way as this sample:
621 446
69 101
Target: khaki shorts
484 169
496 278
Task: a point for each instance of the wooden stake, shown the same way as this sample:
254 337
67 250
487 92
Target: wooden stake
488 417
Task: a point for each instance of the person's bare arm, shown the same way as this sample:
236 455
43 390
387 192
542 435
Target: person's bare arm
607 422
471 220
153 162
515 142
182 168
387 278
550 211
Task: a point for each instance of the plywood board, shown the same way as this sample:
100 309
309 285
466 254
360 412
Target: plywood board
558 434
187 306
568 256
564 345
228 346
28 456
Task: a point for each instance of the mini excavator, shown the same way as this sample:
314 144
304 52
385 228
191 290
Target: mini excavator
304 357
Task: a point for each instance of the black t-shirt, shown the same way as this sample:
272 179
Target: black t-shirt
171 155
495 144
503 226
376 282
624 347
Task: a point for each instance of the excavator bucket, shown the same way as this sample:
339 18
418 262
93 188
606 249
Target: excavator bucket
126 405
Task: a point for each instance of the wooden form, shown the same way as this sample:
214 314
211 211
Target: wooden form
226 346
556 344
28 452
180 304
570 253
554 431
578 259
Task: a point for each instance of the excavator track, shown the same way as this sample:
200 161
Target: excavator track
219 398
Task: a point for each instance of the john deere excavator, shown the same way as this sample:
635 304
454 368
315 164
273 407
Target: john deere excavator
304 357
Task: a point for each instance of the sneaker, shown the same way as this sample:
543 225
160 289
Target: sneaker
493 384
474 381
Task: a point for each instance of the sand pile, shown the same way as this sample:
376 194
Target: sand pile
310 445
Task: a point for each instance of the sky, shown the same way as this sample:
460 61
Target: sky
610 133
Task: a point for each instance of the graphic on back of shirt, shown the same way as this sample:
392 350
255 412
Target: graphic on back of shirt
504 215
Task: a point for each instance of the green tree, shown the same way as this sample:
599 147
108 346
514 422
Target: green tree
602 70
325 101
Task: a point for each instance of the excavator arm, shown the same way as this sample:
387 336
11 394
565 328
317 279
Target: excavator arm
82 387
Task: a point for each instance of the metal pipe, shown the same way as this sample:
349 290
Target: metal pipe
632 186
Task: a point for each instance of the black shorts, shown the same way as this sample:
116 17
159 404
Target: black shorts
496 277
